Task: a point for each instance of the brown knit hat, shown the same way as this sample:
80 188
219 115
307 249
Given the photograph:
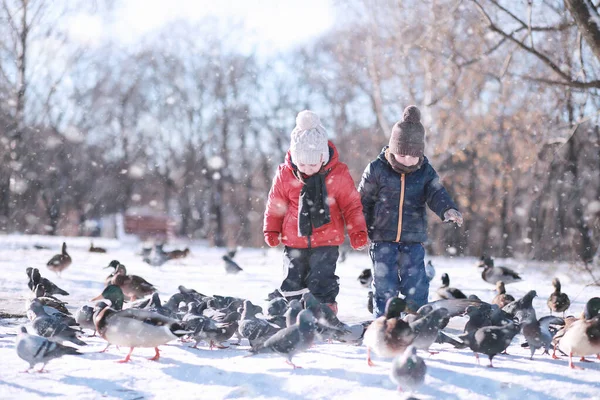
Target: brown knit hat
408 135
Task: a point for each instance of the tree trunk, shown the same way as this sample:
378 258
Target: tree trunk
587 19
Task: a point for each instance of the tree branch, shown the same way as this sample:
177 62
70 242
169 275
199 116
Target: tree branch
569 81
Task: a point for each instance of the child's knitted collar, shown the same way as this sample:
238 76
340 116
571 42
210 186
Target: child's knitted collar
401 168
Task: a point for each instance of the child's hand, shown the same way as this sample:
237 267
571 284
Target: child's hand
272 238
453 216
358 240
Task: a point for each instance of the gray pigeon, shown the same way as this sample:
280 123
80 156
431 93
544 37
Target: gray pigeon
36 349
254 329
490 340
427 328
35 278
429 271
524 305
277 306
408 369
50 327
537 333
293 340
231 267
291 315
85 317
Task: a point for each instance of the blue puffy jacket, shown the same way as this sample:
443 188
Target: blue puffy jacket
394 203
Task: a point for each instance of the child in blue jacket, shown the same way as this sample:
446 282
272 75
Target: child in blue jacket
394 190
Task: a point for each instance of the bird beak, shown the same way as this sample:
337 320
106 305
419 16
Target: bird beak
99 297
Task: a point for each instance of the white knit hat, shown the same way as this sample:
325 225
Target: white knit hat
309 140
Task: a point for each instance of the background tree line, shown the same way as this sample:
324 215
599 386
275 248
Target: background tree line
187 123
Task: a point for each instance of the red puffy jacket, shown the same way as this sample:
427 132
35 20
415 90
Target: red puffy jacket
281 214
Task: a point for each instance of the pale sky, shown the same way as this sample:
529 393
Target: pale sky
276 24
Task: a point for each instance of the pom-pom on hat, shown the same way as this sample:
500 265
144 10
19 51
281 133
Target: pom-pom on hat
309 140
408 134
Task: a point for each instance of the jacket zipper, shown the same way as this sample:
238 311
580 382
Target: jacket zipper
400 207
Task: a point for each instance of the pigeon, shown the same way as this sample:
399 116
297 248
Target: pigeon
85 317
291 315
254 329
216 332
455 307
274 294
231 267
502 298
366 277
408 369
293 340
370 302
328 325
524 304
477 319
52 327
490 340
537 333
492 274
447 292
39 350
50 288
429 271
60 262
558 301
277 306
426 329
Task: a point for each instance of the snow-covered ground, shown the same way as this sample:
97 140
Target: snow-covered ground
329 371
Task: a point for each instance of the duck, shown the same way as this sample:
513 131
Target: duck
591 310
135 328
389 335
60 262
133 286
502 298
114 294
558 301
492 274
96 249
113 264
582 338
177 254
447 292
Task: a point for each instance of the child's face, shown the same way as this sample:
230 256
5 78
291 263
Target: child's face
309 169
409 161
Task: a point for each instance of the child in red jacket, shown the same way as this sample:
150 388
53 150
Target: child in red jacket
312 197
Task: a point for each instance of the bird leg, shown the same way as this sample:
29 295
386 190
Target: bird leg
554 356
477 357
126 359
432 353
217 345
598 356
491 365
156 356
400 388
369 362
195 346
104 349
583 359
573 366
292 364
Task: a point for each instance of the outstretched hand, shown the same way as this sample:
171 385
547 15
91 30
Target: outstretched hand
359 240
453 215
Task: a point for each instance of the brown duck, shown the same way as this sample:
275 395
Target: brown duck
61 261
132 286
558 301
96 249
176 254
502 298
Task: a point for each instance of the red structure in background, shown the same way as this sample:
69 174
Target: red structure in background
157 227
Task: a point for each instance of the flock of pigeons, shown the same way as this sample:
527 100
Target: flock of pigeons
129 313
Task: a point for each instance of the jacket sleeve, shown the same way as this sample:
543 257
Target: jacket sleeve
368 190
437 196
349 203
277 205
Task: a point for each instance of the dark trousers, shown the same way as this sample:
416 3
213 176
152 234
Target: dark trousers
398 268
311 270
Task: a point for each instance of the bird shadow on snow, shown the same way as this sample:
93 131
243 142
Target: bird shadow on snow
244 384
104 387
30 390
485 386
